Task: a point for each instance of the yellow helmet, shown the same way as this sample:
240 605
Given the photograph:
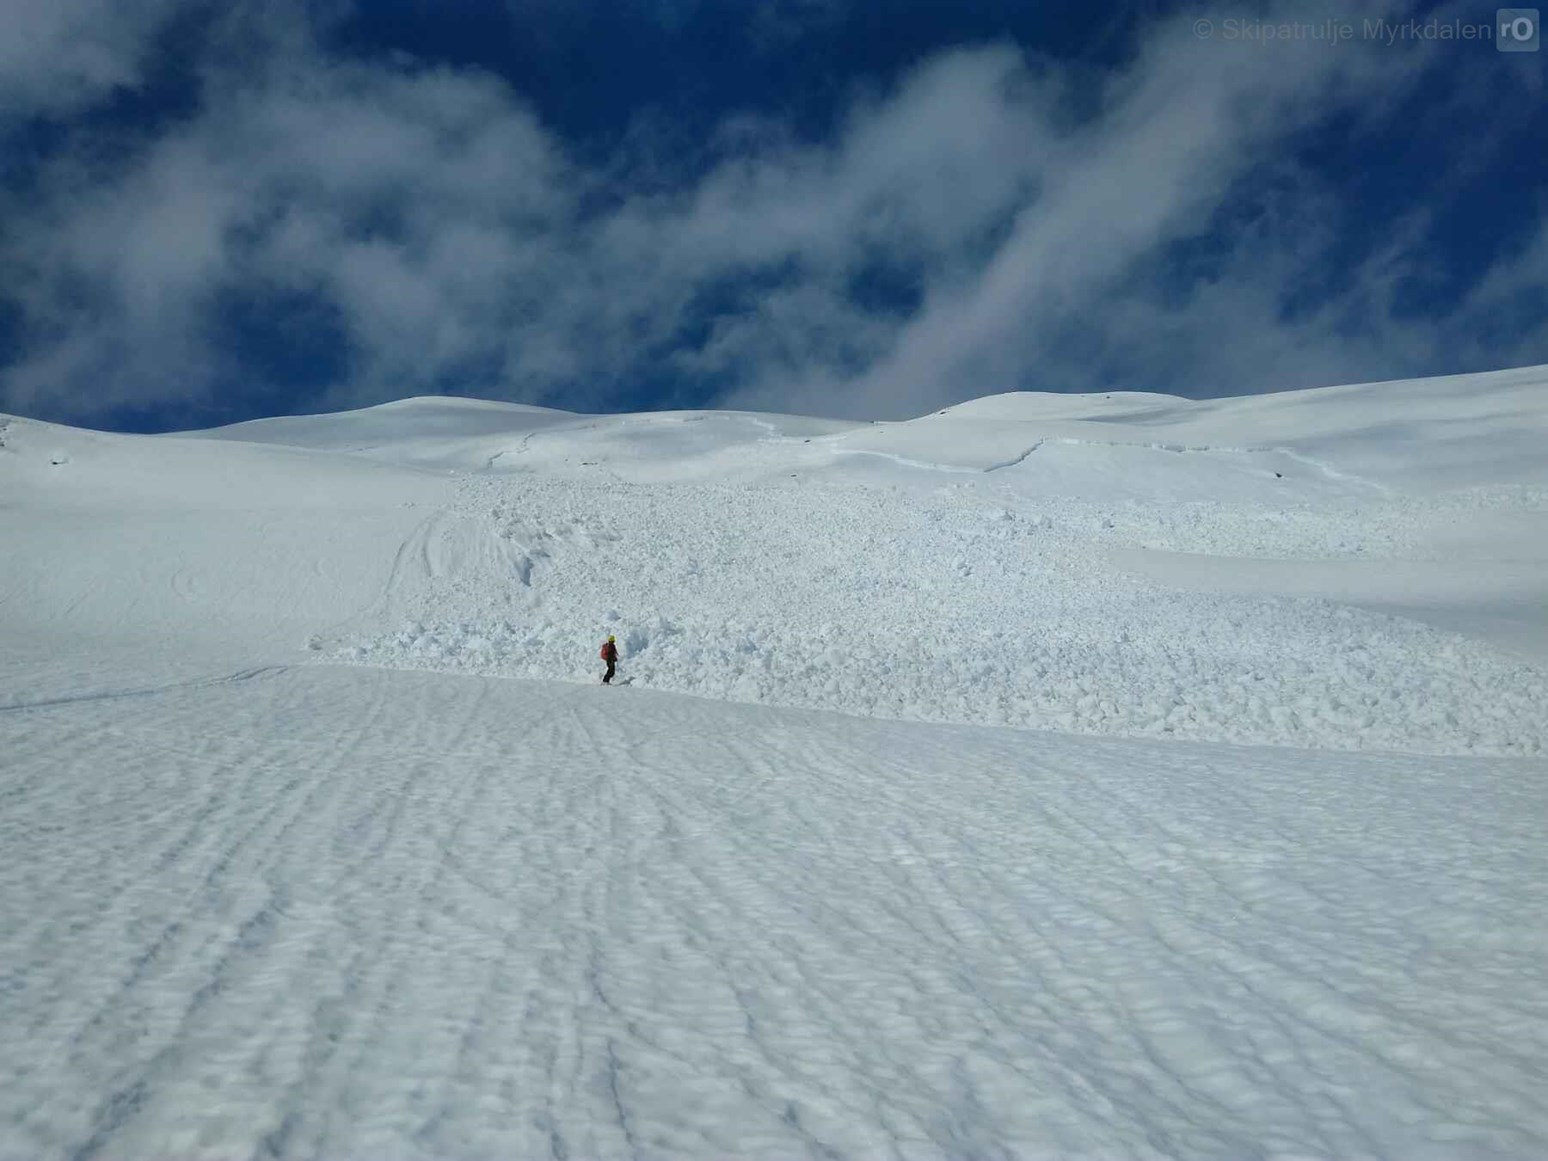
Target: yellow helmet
610 637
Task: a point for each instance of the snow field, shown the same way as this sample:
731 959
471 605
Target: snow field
1396 528
253 903
959 603
326 911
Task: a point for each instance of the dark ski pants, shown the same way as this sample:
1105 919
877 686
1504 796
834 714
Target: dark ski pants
608 676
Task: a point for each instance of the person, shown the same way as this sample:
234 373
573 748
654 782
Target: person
610 655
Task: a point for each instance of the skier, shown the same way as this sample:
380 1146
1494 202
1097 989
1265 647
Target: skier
610 655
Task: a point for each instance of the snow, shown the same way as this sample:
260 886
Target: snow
942 608
1044 777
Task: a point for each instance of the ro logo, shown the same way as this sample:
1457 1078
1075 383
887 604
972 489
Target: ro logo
1516 29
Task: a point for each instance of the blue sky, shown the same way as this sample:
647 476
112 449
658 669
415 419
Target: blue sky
212 212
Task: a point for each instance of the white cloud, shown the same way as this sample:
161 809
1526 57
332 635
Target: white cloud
1171 138
58 55
992 221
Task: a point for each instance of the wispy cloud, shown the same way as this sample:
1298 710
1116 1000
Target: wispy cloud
59 55
993 220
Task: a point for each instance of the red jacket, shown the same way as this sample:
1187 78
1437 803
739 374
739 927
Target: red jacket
609 651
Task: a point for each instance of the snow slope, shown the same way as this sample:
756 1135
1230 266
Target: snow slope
318 911
1283 570
317 837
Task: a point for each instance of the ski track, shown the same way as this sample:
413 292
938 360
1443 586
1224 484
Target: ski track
343 911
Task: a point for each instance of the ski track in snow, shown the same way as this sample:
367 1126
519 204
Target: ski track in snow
351 912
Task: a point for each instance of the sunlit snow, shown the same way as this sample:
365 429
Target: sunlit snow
1079 776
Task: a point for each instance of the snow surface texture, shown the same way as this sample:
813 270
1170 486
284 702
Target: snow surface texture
845 571
317 912
256 902
937 608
